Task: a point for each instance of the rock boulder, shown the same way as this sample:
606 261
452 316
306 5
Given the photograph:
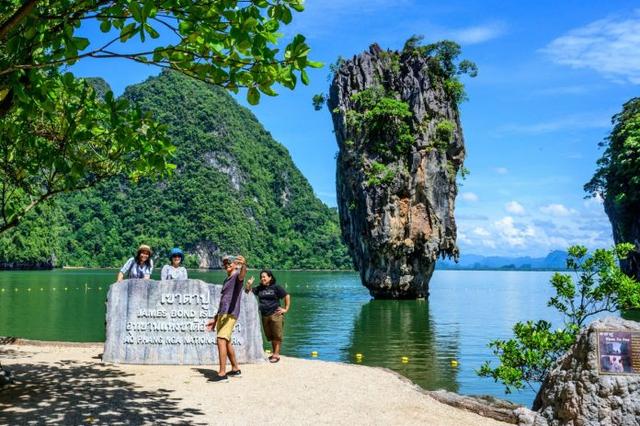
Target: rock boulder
576 392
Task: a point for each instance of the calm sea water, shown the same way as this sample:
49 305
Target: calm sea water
331 314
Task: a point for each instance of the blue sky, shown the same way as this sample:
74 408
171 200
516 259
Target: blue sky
551 75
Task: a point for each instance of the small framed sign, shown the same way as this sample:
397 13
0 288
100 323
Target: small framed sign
619 352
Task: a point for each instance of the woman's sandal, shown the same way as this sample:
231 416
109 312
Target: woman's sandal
273 359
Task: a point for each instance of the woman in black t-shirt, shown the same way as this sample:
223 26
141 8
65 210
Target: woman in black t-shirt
269 296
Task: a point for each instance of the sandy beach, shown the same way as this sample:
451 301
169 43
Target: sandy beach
61 384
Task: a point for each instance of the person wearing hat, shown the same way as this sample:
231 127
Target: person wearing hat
174 271
139 266
228 312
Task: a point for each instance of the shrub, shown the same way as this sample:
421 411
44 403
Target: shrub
444 134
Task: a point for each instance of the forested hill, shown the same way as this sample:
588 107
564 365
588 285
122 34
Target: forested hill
235 190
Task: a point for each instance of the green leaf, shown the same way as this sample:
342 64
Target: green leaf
152 32
285 15
136 11
253 96
81 43
105 26
127 32
297 5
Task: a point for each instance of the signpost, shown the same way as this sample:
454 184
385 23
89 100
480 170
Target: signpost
163 322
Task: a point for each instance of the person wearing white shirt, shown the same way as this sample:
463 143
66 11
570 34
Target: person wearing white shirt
175 271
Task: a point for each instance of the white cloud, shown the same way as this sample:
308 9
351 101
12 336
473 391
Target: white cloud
462 237
607 46
514 236
477 33
557 210
489 243
595 201
514 207
570 122
480 231
501 170
470 196
553 226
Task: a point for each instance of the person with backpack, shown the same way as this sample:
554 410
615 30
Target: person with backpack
175 271
139 266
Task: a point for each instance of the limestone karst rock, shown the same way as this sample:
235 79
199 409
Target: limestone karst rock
625 224
401 146
576 393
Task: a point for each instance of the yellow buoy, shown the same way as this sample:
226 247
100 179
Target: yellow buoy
454 363
405 359
314 354
358 355
268 351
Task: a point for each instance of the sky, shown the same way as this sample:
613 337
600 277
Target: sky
551 76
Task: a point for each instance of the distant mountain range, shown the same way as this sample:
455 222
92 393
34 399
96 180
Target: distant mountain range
554 260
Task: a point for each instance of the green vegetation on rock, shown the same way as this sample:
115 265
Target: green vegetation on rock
383 120
378 174
234 187
444 134
600 286
442 64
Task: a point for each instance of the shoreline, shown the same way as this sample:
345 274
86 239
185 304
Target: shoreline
73 268
354 393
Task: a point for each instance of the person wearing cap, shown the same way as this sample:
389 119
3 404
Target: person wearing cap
139 266
175 271
227 315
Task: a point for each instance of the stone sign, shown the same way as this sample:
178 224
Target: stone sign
163 322
619 352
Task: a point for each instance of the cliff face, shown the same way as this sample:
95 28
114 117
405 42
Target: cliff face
616 180
626 229
400 147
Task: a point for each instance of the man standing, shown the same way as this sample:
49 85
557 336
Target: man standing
228 313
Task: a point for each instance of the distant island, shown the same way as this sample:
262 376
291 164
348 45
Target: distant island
555 260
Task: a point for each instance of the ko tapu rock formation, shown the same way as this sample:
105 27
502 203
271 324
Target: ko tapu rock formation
400 142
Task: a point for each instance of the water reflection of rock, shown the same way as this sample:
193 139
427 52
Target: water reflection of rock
387 330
